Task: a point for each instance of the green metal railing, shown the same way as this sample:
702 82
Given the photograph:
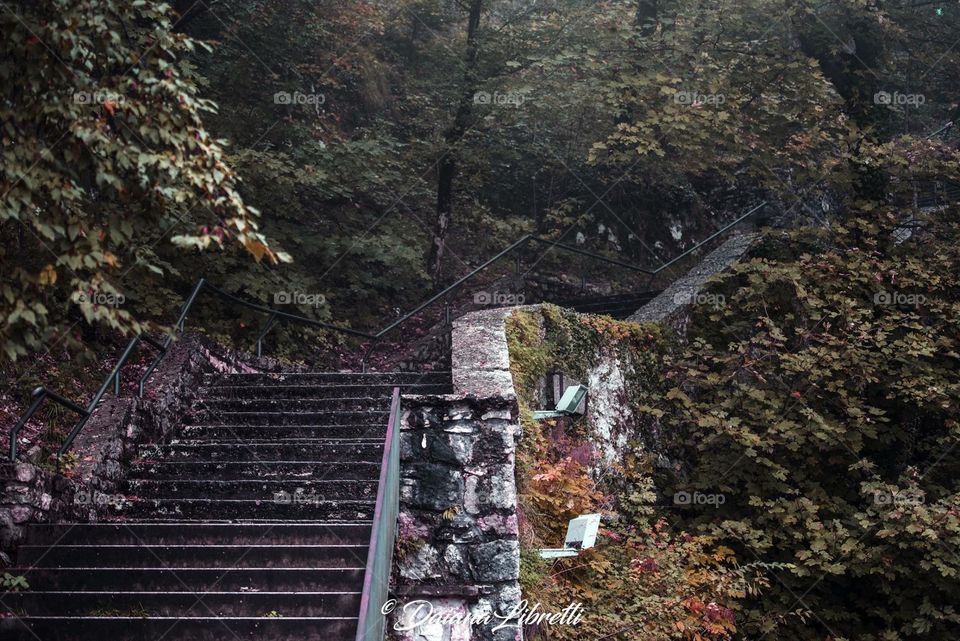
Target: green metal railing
376 580
275 316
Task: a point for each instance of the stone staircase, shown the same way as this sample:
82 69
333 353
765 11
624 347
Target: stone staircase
253 523
619 306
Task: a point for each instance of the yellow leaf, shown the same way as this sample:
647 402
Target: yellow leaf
48 275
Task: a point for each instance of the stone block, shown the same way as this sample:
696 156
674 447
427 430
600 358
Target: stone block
460 529
421 564
471 498
25 472
436 486
21 513
450 448
495 562
502 489
499 525
435 619
455 562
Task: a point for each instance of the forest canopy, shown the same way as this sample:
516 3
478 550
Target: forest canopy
347 160
414 139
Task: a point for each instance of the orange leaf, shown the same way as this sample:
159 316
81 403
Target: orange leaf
255 247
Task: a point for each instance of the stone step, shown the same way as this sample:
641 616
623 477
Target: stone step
261 489
618 306
611 299
193 580
198 533
281 432
305 508
253 522
331 378
110 604
350 404
294 391
208 417
265 628
263 555
292 470
239 451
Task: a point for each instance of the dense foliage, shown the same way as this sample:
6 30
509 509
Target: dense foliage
104 156
369 134
821 400
817 392
385 148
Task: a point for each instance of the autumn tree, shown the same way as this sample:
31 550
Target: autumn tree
105 155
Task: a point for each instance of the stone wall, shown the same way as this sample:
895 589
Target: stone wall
608 409
30 495
109 442
458 553
669 306
457 540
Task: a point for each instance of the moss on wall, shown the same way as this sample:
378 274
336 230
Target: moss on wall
550 338
638 567
547 339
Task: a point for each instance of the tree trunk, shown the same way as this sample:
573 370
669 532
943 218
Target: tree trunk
447 172
646 16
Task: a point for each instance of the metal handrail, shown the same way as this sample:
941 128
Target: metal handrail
42 393
276 315
530 238
371 622
946 126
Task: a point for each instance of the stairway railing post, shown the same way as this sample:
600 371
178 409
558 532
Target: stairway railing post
266 328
